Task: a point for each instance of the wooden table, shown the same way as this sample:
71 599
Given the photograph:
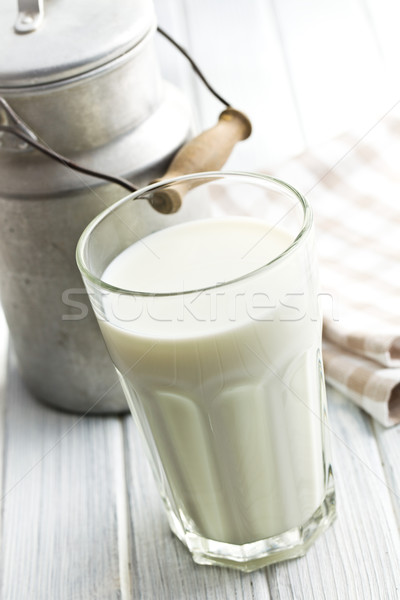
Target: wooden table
81 518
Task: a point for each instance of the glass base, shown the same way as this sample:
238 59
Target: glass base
249 557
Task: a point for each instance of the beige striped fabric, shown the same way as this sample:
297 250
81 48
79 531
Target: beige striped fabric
353 185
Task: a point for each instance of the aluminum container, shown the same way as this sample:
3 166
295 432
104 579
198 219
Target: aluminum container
85 78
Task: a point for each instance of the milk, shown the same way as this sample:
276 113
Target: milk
224 383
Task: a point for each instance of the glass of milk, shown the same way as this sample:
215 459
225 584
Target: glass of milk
211 318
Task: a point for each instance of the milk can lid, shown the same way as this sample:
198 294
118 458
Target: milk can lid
64 38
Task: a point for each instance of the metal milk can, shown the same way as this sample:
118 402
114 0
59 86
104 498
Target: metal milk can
84 77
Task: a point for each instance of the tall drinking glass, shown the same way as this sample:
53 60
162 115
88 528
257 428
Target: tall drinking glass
213 324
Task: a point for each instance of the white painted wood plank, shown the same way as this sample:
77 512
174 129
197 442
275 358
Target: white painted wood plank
384 18
162 568
389 447
238 48
336 65
61 495
3 382
359 556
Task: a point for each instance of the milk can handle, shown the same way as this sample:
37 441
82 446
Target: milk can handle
30 15
206 152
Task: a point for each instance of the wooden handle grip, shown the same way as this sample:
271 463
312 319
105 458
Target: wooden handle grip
207 152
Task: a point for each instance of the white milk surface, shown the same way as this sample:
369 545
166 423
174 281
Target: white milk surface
225 383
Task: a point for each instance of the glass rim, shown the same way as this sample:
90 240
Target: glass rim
212 175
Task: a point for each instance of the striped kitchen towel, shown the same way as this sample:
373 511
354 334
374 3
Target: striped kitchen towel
353 186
